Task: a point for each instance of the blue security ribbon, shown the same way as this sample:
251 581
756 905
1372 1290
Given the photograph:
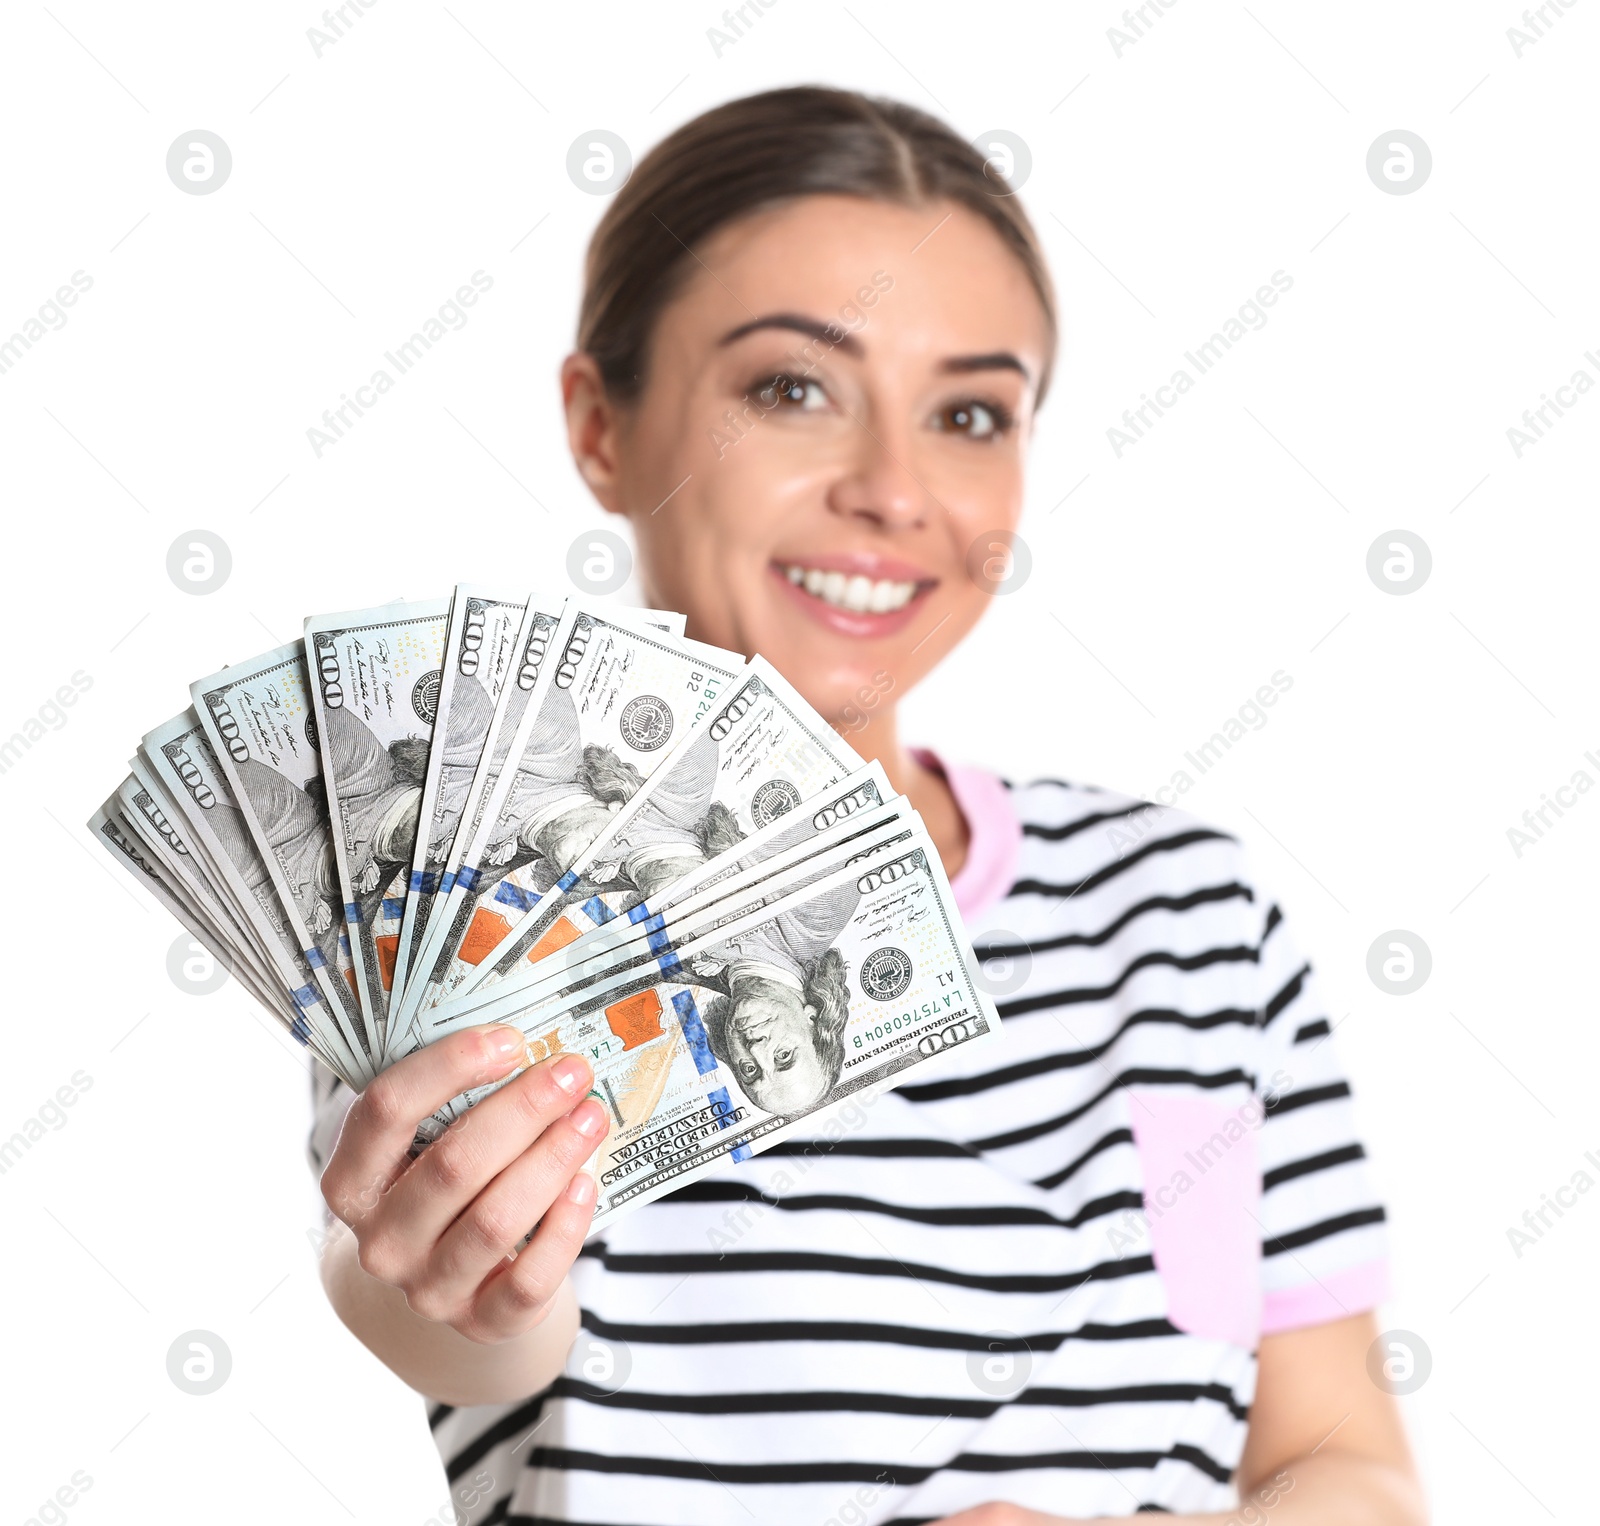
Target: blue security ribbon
508 894
694 1033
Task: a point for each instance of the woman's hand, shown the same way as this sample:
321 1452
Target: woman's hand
441 1228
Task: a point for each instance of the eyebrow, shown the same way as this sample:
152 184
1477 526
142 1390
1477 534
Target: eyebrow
833 334
829 333
995 360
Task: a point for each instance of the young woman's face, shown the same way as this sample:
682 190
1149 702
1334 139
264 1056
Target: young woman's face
817 495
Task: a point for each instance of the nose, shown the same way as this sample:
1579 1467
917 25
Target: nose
879 484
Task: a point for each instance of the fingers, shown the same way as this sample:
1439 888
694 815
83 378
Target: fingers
441 1183
516 1296
371 1152
497 1219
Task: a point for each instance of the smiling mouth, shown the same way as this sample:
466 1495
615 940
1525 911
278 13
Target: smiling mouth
855 593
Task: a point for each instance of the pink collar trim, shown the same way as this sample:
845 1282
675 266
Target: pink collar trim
994 833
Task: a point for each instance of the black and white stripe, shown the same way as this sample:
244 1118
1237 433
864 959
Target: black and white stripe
938 1305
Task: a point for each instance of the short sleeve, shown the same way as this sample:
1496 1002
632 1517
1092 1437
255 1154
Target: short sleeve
330 1101
1324 1252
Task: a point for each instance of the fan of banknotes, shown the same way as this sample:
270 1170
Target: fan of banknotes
573 819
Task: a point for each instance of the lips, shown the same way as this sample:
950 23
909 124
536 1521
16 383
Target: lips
854 595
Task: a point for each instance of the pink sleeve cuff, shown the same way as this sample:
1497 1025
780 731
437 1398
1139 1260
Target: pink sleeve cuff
1356 1290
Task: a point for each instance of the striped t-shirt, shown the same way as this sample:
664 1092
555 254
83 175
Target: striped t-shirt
1039 1278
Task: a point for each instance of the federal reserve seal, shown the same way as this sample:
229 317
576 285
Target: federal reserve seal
772 799
311 732
425 696
646 722
885 974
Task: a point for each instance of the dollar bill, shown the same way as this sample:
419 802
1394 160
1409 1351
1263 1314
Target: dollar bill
145 776
529 649
375 690
479 649
834 990
607 703
183 760
259 717
609 954
462 819
755 758
782 853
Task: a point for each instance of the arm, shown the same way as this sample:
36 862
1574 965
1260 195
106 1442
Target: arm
1321 1424
1325 1445
420 1267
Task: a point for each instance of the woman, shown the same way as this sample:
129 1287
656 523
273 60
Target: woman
1132 1258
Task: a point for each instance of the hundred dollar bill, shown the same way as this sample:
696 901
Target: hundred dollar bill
144 775
851 811
607 702
115 832
529 647
757 757
478 650
181 756
258 716
857 804
841 988
623 948
375 688
453 810
155 827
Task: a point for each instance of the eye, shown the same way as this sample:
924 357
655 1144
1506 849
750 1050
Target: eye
749 1070
784 391
975 419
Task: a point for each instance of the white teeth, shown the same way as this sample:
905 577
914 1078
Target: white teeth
859 594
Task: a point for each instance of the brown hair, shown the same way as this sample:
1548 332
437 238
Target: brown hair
755 153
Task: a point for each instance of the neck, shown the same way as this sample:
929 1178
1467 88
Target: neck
924 787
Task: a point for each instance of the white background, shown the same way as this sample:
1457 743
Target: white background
1168 183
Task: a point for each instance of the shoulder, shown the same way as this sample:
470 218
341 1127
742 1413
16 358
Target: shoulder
1103 848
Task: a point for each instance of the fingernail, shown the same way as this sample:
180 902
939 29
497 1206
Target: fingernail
589 1118
580 1189
571 1073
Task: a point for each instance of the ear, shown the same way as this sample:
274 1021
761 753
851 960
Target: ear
593 429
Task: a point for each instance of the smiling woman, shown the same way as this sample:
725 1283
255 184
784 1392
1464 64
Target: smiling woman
814 338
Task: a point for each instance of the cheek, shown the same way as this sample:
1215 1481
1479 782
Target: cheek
983 492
